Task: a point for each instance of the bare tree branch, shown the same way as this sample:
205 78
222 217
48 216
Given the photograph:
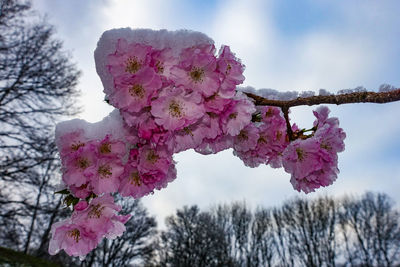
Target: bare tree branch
349 98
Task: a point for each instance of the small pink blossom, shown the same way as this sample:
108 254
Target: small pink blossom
189 137
106 176
237 115
272 140
232 70
133 93
109 148
313 162
128 58
101 217
175 109
71 142
132 182
302 157
246 139
216 104
75 239
79 168
197 70
154 161
162 61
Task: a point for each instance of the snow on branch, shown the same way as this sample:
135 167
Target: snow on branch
386 94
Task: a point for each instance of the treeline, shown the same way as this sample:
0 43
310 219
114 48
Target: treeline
351 231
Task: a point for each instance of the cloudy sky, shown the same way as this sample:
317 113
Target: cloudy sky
285 45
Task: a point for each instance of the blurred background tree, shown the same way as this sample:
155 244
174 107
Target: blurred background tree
38 88
325 231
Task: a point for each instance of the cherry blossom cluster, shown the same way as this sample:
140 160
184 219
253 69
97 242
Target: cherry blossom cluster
170 100
88 225
312 160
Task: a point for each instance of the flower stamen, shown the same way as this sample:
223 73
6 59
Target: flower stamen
132 65
197 74
137 90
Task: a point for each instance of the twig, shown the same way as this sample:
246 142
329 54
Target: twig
357 97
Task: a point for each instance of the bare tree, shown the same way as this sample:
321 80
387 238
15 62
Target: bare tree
37 88
371 230
193 238
310 231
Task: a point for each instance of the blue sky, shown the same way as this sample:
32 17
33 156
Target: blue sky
285 45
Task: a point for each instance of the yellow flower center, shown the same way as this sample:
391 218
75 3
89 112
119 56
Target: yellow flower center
228 69
152 157
132 65
233 115
105 148
83 163
75 234
242 136
77 145
300 153
262 139
175 109
137 90
160 67
326 146
95 211
278 135
104 171
197 74
187 131
134 178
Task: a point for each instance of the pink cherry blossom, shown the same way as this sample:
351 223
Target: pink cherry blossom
79 167
246 139
128 58
189 137
197 70
101 217
132 183
216 104
175 109
302 157
237 115
313 162
154 161
75 239
272 140
106 177
109 148
70 142
132 93
232 70
163 61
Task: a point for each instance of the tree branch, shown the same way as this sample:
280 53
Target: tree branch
357 97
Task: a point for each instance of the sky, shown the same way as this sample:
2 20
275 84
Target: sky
285 45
